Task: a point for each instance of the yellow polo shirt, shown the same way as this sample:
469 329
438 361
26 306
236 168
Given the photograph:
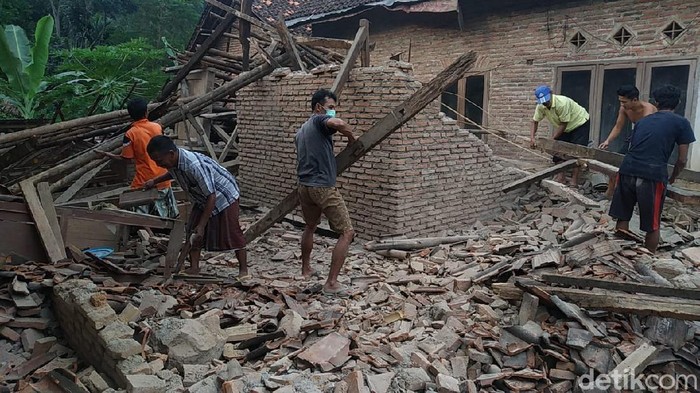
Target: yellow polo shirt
564 110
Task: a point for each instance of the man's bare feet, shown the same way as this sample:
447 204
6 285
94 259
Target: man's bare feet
335 290
308 272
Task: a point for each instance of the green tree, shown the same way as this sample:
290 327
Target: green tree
24 66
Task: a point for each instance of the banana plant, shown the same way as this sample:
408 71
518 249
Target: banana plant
24 66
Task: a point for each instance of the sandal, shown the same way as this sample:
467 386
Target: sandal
343 292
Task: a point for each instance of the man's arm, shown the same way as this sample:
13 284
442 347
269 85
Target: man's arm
560 130
203 220
533 131
342 127
152 183
615 132
680 162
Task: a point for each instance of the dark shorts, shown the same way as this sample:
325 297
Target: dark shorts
577 136
648 194
223 232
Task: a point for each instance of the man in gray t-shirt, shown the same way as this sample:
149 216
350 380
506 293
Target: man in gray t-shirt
316 168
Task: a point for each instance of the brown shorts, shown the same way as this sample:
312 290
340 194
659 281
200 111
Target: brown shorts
315 200
223 232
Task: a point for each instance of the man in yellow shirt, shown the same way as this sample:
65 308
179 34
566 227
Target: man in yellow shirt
569 119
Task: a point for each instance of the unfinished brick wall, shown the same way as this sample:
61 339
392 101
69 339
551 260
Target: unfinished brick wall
424 179
523 42
95 332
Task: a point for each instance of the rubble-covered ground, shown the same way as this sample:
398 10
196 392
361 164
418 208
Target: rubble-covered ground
482 314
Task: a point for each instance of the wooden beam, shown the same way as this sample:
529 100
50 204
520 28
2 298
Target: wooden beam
172 85
265 54
622 286
568 193
634 364
535 177
114 216
372 137
177 235
630 304
250 19
198 104
202 134
47 203
244 32
80 183
226 137
289 44
231 142
351 58
21 150
133 198
98 197
572 150
53 248
325 42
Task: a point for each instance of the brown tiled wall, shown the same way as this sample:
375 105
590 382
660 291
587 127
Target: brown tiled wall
426 178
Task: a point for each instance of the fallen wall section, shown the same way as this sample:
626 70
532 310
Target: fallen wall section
424 179
95 332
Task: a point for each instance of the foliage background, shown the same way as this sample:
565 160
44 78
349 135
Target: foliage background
100 48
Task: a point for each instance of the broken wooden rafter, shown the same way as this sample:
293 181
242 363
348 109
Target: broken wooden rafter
289 45
248 18
265 54
414 244
244 28
633 287
632 304
202 134
569 193
231 142
357 45
78 185
172 85
54 248
543 174
372 137
572 150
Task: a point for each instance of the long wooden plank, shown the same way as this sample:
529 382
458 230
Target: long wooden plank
80 183
53 248
244 32
569 193
220 29
98 197
47 203
289 45
115 217
202 134
608 157
634 364
351 58
248 18
535 177
623 286
372 137
226 137
177 235
633 304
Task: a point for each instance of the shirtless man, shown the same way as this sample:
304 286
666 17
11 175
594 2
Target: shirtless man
630 109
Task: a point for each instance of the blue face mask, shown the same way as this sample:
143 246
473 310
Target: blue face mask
330 112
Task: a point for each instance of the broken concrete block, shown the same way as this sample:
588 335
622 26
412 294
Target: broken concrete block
144 384
154 303
291 323
156 365
188 341
206 385
94 382
29 338
693 254
447 384
412 379
459 367
669 268
233 370
380 383
130 313
193 373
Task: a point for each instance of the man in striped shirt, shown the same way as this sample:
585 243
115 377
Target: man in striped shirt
214 194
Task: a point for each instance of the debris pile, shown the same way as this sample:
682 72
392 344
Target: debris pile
490 308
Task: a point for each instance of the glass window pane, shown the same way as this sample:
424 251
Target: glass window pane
672 75
474 107
577 86
612 80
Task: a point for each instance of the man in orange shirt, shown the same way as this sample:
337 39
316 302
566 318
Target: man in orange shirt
134 149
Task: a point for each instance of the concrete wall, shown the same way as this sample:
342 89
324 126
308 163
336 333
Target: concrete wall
426 178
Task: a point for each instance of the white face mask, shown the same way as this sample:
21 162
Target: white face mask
330 112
